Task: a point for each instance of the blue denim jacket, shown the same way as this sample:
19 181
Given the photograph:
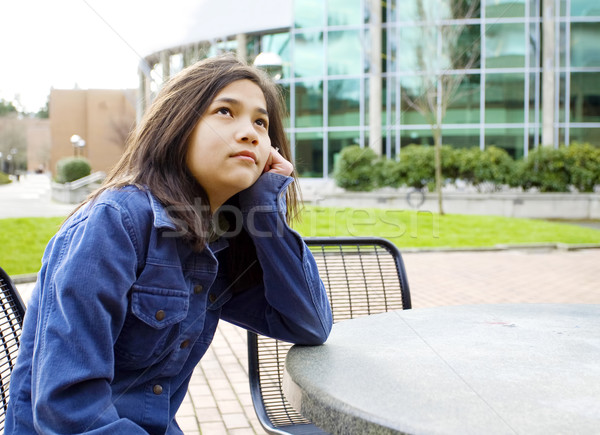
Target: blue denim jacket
123 311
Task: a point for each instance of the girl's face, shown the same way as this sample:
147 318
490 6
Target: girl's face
230 145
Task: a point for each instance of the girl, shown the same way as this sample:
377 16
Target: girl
190 227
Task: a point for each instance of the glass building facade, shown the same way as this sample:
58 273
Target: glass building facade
490 72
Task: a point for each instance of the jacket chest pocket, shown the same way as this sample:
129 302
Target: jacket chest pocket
151 327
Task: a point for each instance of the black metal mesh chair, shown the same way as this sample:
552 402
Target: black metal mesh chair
11 318
362 276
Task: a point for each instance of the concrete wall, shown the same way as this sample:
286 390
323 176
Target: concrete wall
521 205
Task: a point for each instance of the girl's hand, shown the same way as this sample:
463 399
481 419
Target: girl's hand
276 163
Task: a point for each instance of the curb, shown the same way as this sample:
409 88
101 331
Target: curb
565 247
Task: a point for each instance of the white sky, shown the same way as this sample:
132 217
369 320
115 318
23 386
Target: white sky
94 43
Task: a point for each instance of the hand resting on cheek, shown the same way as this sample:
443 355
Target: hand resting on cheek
278 164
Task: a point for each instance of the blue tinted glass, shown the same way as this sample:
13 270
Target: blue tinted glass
583 8
309 13
309 104
463 104
308 54
344 50
344 102
510 139
505 8
585 97
505 45
309 154
585 50
504 98
344 12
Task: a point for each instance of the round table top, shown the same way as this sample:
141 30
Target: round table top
514 368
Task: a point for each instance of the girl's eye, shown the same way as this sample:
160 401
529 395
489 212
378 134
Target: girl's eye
224 111
262 122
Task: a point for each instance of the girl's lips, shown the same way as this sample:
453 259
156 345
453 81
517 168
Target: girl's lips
246 155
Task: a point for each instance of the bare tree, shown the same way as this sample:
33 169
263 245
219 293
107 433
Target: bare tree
13 144
119 129
445 49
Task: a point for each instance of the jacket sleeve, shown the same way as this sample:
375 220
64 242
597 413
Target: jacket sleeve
291 304
82 305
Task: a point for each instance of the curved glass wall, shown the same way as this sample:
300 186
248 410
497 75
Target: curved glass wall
474 66
482 59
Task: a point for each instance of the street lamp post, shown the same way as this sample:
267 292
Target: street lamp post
78 144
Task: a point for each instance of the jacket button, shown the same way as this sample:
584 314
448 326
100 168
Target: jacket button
160 315
198 289
212 298
157 389
184 344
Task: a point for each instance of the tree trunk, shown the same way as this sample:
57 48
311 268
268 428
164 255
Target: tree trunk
437 135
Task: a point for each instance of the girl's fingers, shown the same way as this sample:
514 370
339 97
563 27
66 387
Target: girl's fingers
276 163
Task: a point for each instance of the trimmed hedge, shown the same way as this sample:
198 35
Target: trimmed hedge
71 169
4 179
545 169
354 170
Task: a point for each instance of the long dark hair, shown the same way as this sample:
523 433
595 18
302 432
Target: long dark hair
155 156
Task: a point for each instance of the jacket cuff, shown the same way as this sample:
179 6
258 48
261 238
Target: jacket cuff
269 190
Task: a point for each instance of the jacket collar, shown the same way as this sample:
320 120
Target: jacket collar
161 217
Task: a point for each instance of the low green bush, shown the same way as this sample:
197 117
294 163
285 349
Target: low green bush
387 173
582 162
71 169
4 179
493 167
416 167
546 169
355 169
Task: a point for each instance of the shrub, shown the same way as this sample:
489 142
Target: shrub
492 166
355 169
416 166
451 158
582 162
387 173
71 169
545 169
4 179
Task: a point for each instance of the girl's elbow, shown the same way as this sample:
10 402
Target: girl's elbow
317 336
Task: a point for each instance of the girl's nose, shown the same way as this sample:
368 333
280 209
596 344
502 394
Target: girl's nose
247 134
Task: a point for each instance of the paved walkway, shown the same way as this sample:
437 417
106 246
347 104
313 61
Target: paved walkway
30 197
218 401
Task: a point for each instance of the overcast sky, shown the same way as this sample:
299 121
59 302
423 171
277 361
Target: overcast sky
98 43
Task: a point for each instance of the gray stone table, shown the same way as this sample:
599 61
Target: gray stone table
478 369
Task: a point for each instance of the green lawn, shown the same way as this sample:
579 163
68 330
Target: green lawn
410 229
23 240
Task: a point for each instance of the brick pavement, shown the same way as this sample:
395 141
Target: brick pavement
218 401
219 398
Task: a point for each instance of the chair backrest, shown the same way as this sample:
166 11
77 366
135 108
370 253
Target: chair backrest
362 276
12 312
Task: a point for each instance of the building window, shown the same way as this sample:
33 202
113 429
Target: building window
504 98
309 56
344 103
309 154
344 52
309 104
585 97
505 45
